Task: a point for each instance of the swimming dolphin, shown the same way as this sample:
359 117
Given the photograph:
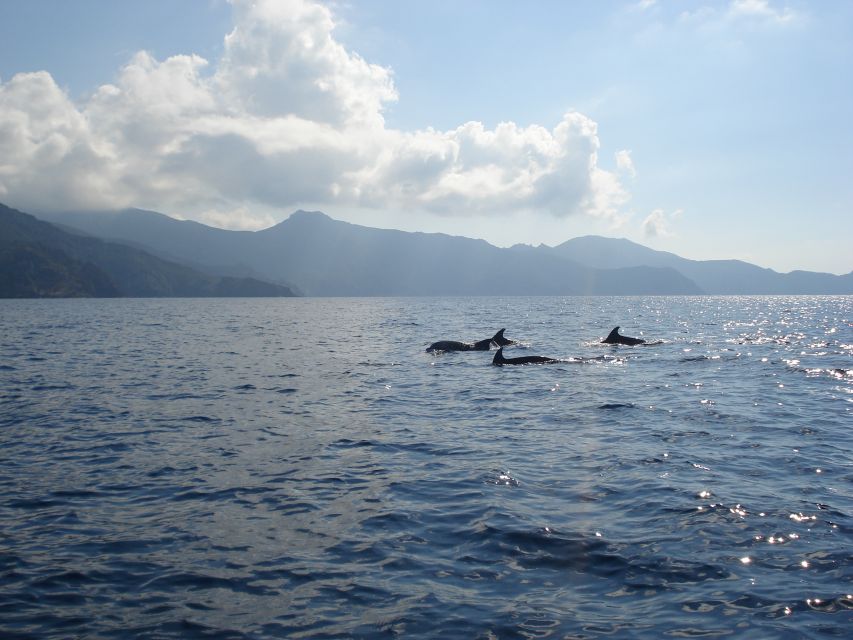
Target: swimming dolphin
482 345
615 338
500 361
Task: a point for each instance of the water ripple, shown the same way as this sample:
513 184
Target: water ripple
164 474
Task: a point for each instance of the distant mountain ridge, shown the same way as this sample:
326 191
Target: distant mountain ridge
720 277
39 259
325 257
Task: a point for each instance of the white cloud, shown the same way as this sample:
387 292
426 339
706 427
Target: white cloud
281 57
48 154
658 225
241 218
625 163
760 9
286 117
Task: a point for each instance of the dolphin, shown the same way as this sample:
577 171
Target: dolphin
482 345
615 338
500 361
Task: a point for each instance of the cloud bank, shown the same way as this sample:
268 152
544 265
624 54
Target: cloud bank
287 116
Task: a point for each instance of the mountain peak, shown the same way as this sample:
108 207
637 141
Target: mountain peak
301 214
300 217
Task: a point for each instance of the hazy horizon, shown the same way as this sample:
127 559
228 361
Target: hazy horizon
712 130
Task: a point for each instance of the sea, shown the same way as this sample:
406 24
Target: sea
303 468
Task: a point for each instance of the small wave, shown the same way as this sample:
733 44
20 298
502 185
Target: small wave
617 405
839 373
65 578
785 340
501 477
384 364
200 419
826 604
550 549
162 471
295 508
394 447
346 443
610 359
232 494
174 396
663 572
32 503
675 436
76 493
270 432
695 358
196 581
606 358
120 547
53 387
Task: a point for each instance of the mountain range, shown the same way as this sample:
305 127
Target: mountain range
41 260
325 257
716 277
313 254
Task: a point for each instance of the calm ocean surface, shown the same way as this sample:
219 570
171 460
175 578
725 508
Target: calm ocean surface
301 468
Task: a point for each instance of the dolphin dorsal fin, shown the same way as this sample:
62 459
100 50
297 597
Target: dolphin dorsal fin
613 334
498 336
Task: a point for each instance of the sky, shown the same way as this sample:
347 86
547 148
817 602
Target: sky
711 129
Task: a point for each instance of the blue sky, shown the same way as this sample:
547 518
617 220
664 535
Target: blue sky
709 129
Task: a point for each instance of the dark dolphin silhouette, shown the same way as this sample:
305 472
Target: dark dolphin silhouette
500 361
615 338
482 345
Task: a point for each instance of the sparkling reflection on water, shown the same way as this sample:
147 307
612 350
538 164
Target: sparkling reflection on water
302 468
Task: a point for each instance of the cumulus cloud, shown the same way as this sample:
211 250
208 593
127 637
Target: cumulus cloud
658 225
286 116
47 151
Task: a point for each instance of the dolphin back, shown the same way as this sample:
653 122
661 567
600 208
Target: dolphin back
500 361
499 339
613 336
449 345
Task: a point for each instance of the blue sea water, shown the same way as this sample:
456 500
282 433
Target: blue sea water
301 468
